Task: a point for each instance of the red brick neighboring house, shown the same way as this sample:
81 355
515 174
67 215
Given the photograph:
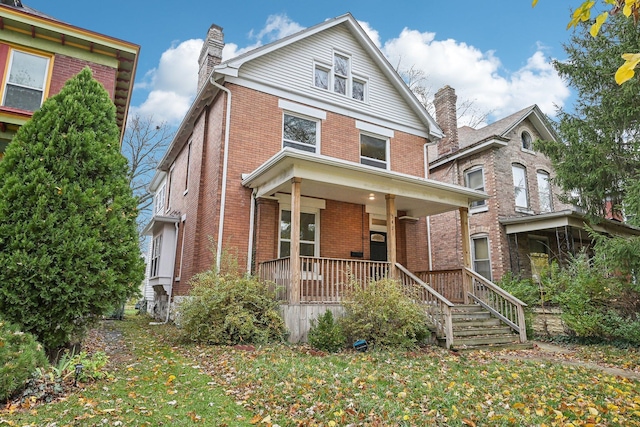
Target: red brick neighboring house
307 160
38 54
523 225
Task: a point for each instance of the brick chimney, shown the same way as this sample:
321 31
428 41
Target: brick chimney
445 103
211 53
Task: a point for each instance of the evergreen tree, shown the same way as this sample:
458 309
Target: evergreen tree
68 242
598 158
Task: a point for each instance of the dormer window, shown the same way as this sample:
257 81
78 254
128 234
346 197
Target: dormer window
527 142
339 78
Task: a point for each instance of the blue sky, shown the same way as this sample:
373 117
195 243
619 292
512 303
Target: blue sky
494 53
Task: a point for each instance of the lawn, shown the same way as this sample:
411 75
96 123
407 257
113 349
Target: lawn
156 380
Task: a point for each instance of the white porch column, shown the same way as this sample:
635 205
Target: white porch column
391 234
466 251
295 242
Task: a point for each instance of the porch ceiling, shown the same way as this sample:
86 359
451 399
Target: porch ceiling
334 179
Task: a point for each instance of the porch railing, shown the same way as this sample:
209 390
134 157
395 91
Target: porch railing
498 301
447 283
437 307
323 280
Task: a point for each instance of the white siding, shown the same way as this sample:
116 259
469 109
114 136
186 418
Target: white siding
290 68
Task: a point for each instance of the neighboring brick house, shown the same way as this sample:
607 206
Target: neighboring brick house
38 54
306 159
523 225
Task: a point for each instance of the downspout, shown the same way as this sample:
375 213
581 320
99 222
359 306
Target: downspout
252 215
428 218
223 194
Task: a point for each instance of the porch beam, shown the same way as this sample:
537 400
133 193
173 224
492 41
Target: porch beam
466 251
294 297
391 234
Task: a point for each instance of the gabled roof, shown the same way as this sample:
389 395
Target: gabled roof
231 67
472 140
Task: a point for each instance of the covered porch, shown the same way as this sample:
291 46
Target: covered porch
311 281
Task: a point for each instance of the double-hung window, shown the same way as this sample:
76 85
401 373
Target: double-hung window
481 258
25 85
544 192
474 179
308 233
520 186
159 199
155 256
300 133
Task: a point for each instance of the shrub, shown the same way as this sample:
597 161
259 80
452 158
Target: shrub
384 316
326 334
20 356
230 309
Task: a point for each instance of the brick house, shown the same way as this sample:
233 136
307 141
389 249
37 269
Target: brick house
306 159
523 225
38 54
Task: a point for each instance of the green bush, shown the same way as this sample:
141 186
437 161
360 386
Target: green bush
20 356
384 316
326 334
230 309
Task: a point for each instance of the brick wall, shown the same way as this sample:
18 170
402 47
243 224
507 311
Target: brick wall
65 67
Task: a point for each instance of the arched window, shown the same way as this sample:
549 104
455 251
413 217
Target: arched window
527 142
520 185
544 192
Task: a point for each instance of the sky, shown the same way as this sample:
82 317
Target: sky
495 54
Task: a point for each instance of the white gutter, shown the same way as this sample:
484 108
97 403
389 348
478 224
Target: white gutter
223 195
428 218
252 214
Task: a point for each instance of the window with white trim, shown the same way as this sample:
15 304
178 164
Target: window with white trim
544 192
309 236
339 78
300 132
155 256
481 258
27 77
520 186
159 199
474 179
374 151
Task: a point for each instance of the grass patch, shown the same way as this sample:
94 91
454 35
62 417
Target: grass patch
163 383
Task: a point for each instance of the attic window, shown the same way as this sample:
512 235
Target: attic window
526 141
339 78
15 3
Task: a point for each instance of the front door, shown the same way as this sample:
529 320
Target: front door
378 245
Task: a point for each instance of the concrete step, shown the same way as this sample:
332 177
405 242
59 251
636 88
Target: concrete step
484 340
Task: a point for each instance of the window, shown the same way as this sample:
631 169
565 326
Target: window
481 260
339 78
527 143
520 186
26 82
186 178
308 233
169 182
321 77
299 133
544 191
373 151
155 256
159 199
474 179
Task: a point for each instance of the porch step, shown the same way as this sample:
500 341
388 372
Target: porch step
474 327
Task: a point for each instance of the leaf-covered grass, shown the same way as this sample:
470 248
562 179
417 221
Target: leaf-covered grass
165 383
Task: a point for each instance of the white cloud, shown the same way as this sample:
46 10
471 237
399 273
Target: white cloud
172 85
373 34
478 76
276 27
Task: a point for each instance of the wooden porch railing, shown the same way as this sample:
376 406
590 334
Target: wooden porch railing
437 307
447 283
323 280
499 302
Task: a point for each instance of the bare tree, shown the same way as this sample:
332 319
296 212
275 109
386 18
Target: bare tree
144 144
418 83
